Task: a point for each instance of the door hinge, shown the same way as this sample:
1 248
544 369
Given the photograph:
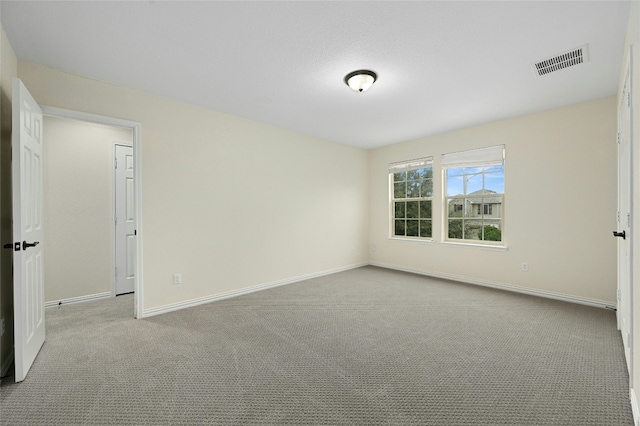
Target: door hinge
628 220
115 160
618 139
618 216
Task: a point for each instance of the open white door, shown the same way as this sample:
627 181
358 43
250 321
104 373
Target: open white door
28 274
625 312
124 220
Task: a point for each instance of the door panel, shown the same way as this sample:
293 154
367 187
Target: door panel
624 311
28 273
125 222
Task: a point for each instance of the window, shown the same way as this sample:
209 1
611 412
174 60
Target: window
411 189
474 195
488 209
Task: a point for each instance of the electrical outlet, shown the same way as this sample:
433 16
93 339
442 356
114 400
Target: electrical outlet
373 248
524 266
177 279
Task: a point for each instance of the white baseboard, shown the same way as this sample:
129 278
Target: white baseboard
220 296
4 368
78 299
541 293
634 407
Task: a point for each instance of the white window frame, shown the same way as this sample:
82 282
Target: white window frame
477 158
407 166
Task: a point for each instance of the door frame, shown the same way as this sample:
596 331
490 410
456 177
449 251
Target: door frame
137 188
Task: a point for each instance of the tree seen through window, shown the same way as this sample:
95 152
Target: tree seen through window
411 202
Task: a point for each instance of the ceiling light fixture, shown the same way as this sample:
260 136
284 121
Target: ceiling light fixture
360 80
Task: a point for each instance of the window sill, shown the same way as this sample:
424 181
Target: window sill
412 240
471 245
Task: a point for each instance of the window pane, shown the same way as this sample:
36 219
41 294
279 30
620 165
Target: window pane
428 173
425 209
474 207
413 175
470 208
455 228
413 189
399 189
455 207
399 227
455 172
426 189
454 185
425 228
491 231
412 228
400 176
495 181
493 222
413 209
492 207
474 181
472 229
487 206
399 210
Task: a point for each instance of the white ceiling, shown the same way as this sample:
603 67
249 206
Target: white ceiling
441 65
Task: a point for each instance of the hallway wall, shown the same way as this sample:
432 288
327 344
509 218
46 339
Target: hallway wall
77 207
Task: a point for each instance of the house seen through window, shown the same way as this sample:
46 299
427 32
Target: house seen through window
474 195
411 193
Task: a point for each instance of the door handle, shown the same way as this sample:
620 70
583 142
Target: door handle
622 234
26 244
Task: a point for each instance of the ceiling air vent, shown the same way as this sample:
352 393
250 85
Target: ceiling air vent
564 60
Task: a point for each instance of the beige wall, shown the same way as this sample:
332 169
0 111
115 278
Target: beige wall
633 45
228 203
8 70
77 206
560 204
231 203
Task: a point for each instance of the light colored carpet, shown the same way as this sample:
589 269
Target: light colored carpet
363 347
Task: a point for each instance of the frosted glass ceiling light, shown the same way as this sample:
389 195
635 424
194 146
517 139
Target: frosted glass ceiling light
360 80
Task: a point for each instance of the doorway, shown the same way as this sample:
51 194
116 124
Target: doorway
82 208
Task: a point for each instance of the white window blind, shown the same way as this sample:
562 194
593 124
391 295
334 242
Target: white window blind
403 166
483 157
